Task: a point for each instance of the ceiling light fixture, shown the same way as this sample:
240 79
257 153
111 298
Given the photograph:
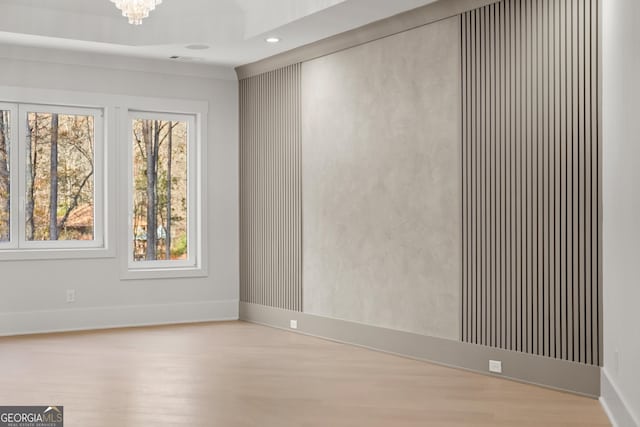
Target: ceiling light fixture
272 40
136 10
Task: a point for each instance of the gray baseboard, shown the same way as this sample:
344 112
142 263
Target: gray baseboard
552 373
614 404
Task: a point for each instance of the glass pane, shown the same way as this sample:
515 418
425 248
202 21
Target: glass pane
159 190
5 181
59 177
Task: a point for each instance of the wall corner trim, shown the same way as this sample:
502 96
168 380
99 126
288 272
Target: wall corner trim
557 374
614 404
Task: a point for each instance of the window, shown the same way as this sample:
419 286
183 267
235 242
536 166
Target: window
50 182
59 177
163 181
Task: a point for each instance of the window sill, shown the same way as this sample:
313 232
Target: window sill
55 254
164 273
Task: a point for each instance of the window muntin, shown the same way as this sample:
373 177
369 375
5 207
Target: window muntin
162 214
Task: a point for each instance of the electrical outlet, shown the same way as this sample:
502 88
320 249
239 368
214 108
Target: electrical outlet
71 295
495 366
293 324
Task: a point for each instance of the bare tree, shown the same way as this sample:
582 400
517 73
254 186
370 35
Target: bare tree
53 179
5 196
150 134
75 198
153 199
32 157
168 228
74 202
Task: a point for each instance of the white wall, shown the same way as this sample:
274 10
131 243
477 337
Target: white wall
32 293
621 198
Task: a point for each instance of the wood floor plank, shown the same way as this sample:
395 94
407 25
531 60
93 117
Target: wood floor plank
240 374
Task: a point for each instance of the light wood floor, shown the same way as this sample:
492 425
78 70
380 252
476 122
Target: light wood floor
239 374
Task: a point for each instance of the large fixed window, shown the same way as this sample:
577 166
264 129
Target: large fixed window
51 195
163 182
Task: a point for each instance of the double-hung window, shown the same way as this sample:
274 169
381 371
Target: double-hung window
51 179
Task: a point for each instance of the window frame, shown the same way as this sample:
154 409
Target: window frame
115 108
192 220
98 178
19 248
196 265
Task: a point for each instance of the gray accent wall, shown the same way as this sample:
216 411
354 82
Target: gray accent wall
531 162
270 189
382 182
436 174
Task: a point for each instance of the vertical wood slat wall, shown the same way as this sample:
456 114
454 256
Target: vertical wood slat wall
271 189
531 178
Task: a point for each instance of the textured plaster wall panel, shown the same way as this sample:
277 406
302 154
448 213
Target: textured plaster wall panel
382 182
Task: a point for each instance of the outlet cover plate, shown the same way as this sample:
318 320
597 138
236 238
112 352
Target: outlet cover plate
71 295
495 366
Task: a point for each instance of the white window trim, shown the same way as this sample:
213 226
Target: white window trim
13 185
116 146
196 266
20 103
98 178
192 177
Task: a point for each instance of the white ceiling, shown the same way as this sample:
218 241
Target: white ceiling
234 30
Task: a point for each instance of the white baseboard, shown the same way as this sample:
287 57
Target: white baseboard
614 404
35 322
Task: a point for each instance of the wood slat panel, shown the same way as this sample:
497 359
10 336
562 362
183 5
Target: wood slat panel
531 234
270 189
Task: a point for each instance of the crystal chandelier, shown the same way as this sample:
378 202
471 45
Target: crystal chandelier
136 10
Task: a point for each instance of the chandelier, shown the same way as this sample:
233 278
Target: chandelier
136 10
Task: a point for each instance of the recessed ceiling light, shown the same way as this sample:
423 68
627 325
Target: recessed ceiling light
197 46
183 58
272 39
